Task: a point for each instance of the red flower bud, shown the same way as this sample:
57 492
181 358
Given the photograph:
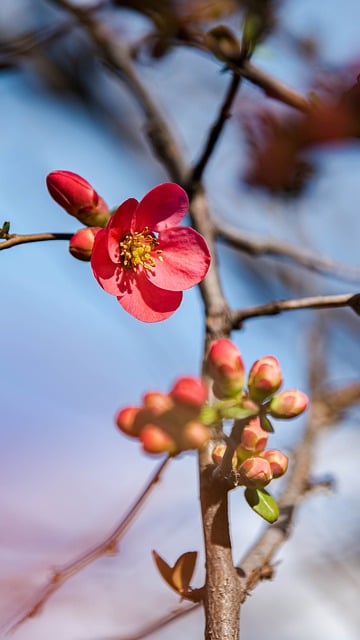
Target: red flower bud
255 472
82 242
226 367
194 435
126 421
156 440
253 437
191 392
278 462
158 402
288 404
78 197
265 378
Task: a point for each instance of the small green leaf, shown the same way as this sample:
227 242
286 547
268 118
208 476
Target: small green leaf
262 503
266 424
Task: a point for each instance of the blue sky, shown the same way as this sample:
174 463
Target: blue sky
71 357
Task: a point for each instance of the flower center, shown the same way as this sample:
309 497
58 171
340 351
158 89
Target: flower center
136 249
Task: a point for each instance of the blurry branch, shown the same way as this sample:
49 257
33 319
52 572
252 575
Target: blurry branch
14 238
108 546
315 302
116 58
12 51
152 627
257 246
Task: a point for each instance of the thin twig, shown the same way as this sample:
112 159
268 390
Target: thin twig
258 246
351 300
14 239
215 131
108 546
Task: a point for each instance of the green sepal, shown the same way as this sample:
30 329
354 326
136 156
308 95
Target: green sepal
208 415
238 412
262 503
266 424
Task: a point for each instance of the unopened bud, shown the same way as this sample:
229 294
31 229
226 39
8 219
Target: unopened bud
255 472
126 421
222 43
226 367
194 435
158 402
265 378
278 462
76 195
253 437
191 392
82 242
218 454
156 440
288 404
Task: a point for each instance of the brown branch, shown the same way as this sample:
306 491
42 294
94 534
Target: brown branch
108 546
215 131
315 302
15 238
257 246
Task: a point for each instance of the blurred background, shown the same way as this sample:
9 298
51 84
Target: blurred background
71 357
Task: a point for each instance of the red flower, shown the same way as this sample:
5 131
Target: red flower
145 259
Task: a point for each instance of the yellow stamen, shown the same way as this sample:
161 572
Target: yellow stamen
137 249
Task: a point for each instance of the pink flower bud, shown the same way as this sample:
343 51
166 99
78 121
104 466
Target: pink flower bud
82 242
288 404
191 392
253 437
265 378
156 440
127 423
278 462
78 197
194 435
255 472
226 367
158 402
218 454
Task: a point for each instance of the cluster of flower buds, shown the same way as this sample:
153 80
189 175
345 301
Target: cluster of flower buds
76 195
251 406
226 367
168 422
253 465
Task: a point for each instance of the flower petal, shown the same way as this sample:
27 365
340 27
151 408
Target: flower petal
144 301
119 224
162 207
186 259
106 272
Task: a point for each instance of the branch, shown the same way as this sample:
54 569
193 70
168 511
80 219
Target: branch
215 131
13 239
316 302
255 246
108 546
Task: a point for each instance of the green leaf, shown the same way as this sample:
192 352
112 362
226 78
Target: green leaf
262 503
266 424
208 415
177 577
